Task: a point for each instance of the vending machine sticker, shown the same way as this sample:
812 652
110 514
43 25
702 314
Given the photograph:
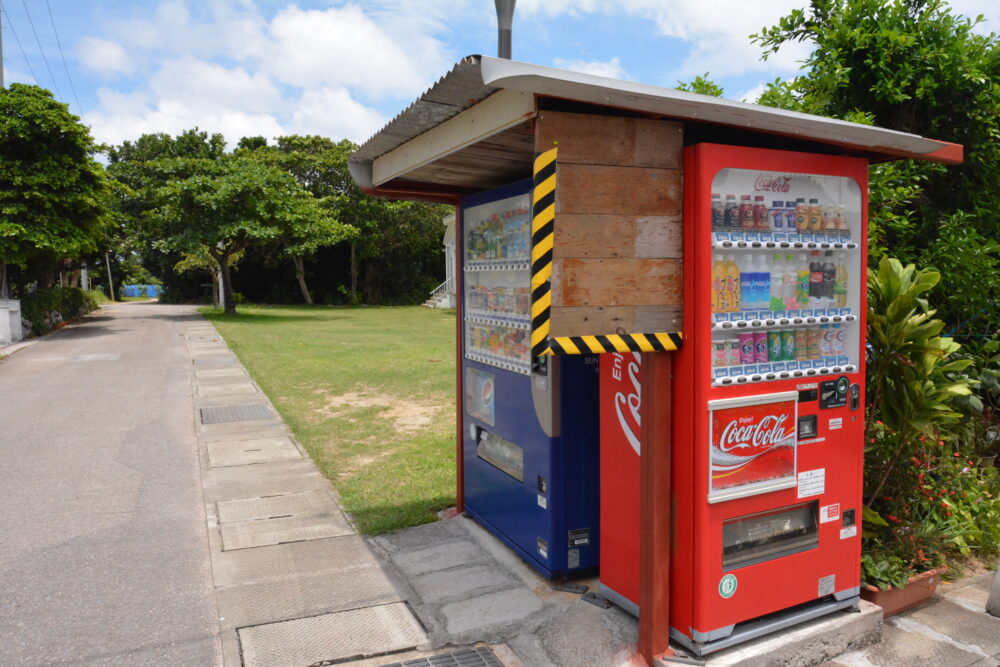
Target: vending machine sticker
752 443
849 532
812 483
728 585
479 397
828 513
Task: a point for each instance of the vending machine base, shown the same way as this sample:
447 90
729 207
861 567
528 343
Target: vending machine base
706 643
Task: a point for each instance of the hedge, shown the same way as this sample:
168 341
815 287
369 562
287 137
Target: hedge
40 307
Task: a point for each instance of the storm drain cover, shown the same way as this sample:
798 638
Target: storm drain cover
469 657
357 633
282 530
206 361
246 452
234 413
289 504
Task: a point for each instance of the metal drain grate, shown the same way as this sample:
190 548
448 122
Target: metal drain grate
234 413
469 657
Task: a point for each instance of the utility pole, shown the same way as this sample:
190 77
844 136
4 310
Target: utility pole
111 286
1 45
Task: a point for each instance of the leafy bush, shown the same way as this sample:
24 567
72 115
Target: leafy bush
46 308
927 502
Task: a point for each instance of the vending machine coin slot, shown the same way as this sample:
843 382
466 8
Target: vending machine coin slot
807 427
833 393
855 397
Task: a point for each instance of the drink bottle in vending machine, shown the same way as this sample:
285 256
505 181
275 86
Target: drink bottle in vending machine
767 433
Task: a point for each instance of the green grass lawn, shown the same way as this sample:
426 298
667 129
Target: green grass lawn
370 392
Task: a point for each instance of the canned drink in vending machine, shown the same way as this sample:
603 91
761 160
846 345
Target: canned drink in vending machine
733 352
760 347
788 345
774 346
718 353
747 355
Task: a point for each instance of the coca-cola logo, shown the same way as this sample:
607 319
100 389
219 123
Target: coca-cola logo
757 438
772 183
746 438
627 404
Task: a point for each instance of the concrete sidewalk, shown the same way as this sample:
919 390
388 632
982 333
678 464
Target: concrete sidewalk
297 586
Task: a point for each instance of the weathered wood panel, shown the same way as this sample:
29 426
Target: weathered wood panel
616 319
611 140
601 189
615 282
617 249
621 236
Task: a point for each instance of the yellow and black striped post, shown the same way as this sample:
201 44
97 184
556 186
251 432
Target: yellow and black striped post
543 211
650 342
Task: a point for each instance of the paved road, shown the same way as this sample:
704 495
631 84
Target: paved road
103 549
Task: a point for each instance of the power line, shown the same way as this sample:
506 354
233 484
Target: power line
18 40
42 50
63 56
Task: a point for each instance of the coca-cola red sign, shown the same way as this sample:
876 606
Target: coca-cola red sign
765 183
753 443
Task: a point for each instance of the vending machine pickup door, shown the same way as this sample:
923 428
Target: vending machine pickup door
756 538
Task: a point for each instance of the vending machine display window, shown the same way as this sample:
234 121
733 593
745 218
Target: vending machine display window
785 261
498 283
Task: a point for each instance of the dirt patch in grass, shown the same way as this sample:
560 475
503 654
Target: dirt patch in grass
406 415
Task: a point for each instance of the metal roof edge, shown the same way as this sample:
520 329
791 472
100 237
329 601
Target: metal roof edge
550 81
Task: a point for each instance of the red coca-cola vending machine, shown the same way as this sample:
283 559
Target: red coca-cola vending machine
767 407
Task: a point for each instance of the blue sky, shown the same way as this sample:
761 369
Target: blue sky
343 69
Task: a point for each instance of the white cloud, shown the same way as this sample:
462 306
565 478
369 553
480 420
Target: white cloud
206 87
609 68
750 95
332 112
716 30
103 56
223 68
345 47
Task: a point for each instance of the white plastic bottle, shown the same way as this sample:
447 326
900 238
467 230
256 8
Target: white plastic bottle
777 291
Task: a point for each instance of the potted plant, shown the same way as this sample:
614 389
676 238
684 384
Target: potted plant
889 582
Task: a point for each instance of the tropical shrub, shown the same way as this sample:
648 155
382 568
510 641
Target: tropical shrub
927 501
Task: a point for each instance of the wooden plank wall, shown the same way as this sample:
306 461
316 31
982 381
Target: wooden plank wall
617 248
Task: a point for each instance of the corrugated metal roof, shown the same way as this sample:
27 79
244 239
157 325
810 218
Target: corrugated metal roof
477 77
453 93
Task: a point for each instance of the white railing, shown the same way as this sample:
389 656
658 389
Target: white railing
446 286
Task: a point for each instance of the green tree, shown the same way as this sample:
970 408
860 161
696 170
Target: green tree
53 194
224 206
917 67
320 166
702 85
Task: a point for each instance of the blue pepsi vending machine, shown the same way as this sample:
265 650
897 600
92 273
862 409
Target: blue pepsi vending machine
531 424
